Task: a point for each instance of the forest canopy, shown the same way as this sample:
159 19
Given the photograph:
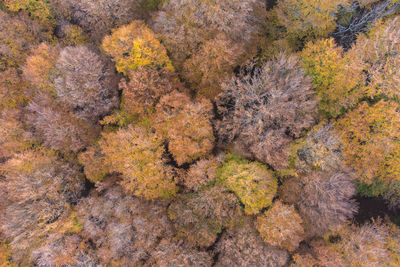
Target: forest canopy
199 133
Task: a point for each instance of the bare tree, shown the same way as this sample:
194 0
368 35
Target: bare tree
265 108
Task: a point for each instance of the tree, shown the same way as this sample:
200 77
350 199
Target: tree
359 16
186 125
38 10
144 90
70 34
11 89
326 201
263 109
65 249
53 125
379 50
37 191
213 63
138 155
13 136
170 252
242 246
85 83
200 217
39 69
98 17
201 173
369 135
308 19
203 44
124 229
94 162
321 149
17 35
252 182
281 226
338 78
135 45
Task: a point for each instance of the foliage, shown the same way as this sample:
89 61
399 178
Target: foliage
95 166
11 89
200 217
17 35
98 17
307 19
369 135
39 68
201 173
138 155
85 83
338 77
135 45
141 94
13 136
125 229
175 254
252 182
370 244
379 50
326 201
38 189
39 10
320 149
265 108
242 246
71 35
281 226
204 45
186 125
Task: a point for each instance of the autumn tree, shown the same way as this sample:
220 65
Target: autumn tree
65 249
379 50
326 201
70 34
252 182
281 226
96 168
308 19
138 155
85 83
171 252
321 149
141 93
135 45
38 189
125 230
98 17
202 41
242 246
53 125
17 35
202 173
39 69
200 217
12 88
338 77
38 10
265 108
14 137
186 125
369 135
